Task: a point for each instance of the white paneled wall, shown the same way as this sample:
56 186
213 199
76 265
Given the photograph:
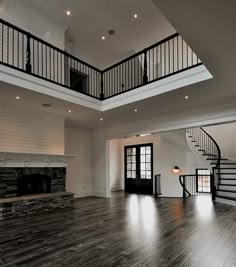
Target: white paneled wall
20 13
28 132
79 168
45 61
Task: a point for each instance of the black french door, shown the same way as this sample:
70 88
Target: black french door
139 169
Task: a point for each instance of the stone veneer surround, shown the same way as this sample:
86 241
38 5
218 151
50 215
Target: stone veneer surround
33 204
8 178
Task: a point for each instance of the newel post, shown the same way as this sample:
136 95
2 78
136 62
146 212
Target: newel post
184 192
28 55
213 186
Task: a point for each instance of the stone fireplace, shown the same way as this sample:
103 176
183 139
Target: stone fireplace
32 183
15 182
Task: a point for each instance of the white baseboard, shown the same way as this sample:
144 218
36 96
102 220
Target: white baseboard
116 188
170 196
90 194
99 193
83 194
225 201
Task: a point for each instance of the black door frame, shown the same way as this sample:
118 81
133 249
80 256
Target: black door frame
138 184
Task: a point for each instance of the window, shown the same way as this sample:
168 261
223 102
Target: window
203 181
145 162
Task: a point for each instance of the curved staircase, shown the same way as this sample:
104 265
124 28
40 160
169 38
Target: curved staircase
223 185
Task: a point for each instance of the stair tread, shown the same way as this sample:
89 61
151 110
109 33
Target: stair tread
224 190
228 168
228 184
226 173
212 159
229 163
227 178
207 154
225 197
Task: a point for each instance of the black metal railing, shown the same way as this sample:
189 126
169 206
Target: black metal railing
25 52
210 150
165 58
205 144
196 185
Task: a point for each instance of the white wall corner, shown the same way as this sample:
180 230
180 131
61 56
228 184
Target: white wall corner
99 193
83 194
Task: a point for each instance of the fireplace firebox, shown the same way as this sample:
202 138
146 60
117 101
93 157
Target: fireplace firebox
33 184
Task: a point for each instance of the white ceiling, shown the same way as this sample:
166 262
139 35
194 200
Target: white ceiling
91 19
210 99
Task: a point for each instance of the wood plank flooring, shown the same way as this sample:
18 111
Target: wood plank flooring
125 230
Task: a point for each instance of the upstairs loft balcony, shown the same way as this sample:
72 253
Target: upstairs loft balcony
27 53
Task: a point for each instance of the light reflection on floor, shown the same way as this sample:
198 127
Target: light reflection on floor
205 208
142 214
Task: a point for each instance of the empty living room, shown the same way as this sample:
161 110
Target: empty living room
117 133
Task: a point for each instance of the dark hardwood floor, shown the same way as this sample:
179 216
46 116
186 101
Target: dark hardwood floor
126 230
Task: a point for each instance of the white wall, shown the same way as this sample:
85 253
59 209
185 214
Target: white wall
20 13
100 165
24 131
224 135
175 152
115 165
78 142
45 62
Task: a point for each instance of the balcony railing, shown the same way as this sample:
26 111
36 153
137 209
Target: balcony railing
25 52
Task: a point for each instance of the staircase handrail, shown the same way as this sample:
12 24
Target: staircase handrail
217 147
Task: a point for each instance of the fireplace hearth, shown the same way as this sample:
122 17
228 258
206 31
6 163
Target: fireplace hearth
30 190
32 183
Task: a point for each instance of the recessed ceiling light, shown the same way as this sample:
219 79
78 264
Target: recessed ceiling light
111 32
17 97
186 97
69 111
46 105
103 37
68 13
101 119
135 16
135 110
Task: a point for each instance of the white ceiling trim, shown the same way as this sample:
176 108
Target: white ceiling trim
164 85
173 82
27 81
